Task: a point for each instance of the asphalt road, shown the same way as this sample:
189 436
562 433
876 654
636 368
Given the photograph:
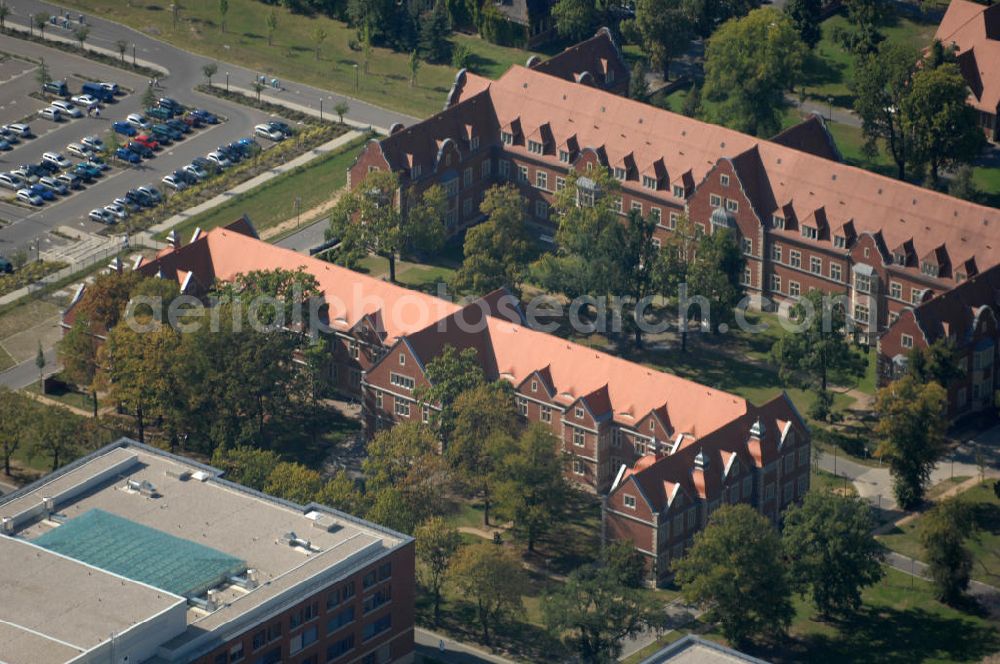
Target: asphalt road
27 224
185 67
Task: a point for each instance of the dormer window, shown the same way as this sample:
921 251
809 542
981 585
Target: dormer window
619 173
777 221
839 241
732 206
415 171
810 232
534 386
564 156
474 143
579 413
535 147
652 425
629 501
930 269
960 277
507 138
678 191
899 258
648 182
724 179
586 192
402 359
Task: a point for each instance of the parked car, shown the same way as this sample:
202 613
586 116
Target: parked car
5 145
148 141
70 180
56 88
67 108
29 197
93 142
281 126
178 125
234 155
174 182
198 172
78 150
6 266
98 163
86 101
101 216
9 136
161 130
97 90
194 121
159 113
162 135
11 181
19 129
117 211
220 160
110 87
57 159
46 168
50 113
268 132
32 172
86 173
41 190
151 191
204 164
139 198
205 116
124 128
54 185
137 121
171 104
140 150
128 156
123 201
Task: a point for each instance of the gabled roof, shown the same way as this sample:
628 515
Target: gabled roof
597 55
975 30
812 136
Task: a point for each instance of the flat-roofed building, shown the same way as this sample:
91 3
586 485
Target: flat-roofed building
133 555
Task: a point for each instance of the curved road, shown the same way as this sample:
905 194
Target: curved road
185 67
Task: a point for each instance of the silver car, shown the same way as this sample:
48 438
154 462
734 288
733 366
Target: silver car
54 185
11 181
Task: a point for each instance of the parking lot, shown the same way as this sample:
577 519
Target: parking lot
18 82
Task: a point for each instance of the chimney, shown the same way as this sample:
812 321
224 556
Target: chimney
757 430
173 240
700 462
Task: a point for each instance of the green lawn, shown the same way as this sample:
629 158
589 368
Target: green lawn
292 54
66 395
274 201
984 543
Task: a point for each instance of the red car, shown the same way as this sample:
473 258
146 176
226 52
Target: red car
144 139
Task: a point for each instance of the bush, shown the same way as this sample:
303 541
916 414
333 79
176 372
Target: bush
461 57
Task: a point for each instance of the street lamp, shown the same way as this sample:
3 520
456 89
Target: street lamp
829 100
31 24
355 76
133 54
320 109
227 81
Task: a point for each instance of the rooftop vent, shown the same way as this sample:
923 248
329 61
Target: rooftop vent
700 462
757 430
293 540
182 475
7 525
144 487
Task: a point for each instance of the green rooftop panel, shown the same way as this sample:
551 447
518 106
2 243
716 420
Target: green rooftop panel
141 553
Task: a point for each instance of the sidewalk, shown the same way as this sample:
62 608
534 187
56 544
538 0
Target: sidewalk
164 226
270 95
56 37
988 595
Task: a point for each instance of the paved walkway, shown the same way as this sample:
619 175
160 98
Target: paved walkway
429 646
988 596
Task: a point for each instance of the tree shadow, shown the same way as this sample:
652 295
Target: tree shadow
252 35
821 71
478 63
987 517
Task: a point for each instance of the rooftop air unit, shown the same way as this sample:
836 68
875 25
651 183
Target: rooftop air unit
7 525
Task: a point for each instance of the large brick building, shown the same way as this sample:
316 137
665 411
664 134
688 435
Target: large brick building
967 315
973 29
131 555
805 220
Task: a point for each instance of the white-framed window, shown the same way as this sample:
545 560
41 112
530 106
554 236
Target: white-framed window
896 290
399 380
915 295
860 313
485 169
777 221
776 253
775 283
656 214
541 179
795 258
564 156
402 359
402 408
747 245
474 143
648 182
816 265
560 183
617 204
715 200
673 219
862 283
353 349
535 147
724 179
835 272
467 177
619 173
522 406
678 191
378 399
794 289
541 210
906 341
810 232
636 206
534 386
578 413
732 206
546 414
579 438
746 276
522 173
629 501
656 242
839 241
507 138
578 467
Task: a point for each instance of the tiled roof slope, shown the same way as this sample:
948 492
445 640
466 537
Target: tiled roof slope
596 55
812 136
955 311
975 30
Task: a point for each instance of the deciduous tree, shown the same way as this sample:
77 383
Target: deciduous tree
405 459
735 572
497 251
437 544
749 65
943 532
272 25
249 466
940 362
911 434
493 579
209 70
294 482
574 19
831 551
223 12
806 16
663 28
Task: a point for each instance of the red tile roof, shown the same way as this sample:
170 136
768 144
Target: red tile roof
975 30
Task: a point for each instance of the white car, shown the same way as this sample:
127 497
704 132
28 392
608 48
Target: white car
151 191
110 87
57 159
116 210
101 216
29 197
268 132
136 120
92 142
86 101
18 129
11 181
174 183
125 203
50 113
78 150
54 185
67 108
219 159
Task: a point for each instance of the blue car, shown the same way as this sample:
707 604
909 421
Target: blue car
5 145
205 116
127 155
124 128
43 191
